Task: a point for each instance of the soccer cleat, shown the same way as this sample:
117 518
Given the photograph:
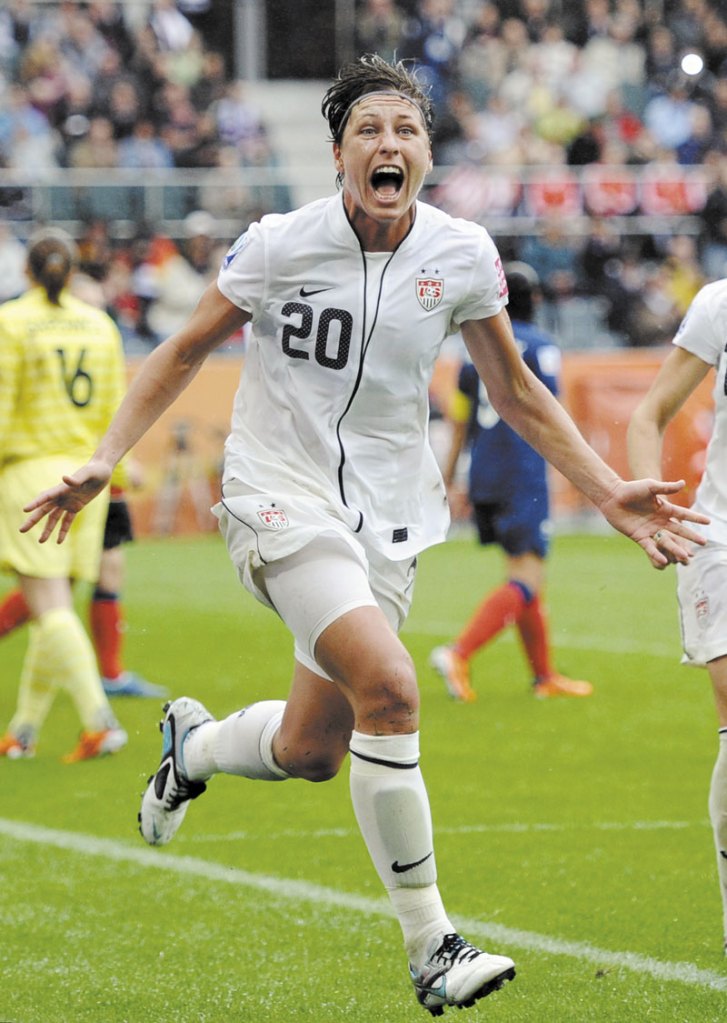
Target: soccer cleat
169 791
457 973
455 672
130 684
97 744
16 747
558 685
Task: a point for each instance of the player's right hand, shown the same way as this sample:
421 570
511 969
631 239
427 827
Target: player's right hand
60 505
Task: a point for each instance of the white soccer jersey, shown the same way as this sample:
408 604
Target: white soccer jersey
704 333
333 399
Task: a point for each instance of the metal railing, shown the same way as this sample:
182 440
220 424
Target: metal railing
512 201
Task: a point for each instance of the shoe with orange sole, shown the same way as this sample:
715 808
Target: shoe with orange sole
455 671
558 685
14 747
97 744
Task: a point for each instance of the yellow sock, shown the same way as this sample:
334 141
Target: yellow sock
60 656
37 687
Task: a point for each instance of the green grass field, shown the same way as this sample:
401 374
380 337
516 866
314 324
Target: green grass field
572 835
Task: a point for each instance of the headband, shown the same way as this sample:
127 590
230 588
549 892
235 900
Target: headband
377 92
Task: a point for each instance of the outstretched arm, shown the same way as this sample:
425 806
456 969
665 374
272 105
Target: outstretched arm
638 509
164 375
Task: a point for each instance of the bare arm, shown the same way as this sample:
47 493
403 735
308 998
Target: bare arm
164 375
456 443
679 375
638 509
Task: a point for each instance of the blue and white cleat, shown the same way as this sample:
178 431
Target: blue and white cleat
457 973
130 684
169 791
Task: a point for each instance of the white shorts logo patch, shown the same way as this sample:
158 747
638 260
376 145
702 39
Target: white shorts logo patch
273 518
429 292
701 608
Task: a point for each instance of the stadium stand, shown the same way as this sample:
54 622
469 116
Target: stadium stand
608 117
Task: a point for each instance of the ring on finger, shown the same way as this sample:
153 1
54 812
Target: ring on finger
658 536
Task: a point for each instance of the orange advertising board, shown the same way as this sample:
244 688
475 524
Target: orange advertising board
181 455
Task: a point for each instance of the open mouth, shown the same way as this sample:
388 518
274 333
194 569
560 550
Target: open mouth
387 182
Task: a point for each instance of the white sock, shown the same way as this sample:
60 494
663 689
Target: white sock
392 809
240 744
718 816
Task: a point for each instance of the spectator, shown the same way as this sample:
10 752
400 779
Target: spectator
668 116
125 107
144 148
108 19
43 75
662 59
653 314
714 217
170 27
701 137
554 258
20 123
434 41
212 82
684 275
237 120
13 259
98 148
180 123
178 282
80 45
380 28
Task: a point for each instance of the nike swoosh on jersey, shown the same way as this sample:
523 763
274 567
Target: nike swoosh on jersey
307 292
401 868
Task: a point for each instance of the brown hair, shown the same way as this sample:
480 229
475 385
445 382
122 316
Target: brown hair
50 261
371 73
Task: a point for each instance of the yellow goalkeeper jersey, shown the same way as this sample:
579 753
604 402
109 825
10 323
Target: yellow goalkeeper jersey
61 376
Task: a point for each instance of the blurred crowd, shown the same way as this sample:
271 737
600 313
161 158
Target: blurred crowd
588 112
550 113
100 84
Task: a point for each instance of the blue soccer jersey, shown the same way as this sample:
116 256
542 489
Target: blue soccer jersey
503 466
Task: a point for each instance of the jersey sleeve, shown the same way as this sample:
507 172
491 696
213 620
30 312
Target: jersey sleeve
242 275
487 291
701 332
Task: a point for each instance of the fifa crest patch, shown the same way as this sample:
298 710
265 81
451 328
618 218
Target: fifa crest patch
273 518
235 249
429 292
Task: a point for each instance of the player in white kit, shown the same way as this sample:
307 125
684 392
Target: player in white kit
330 488
699 345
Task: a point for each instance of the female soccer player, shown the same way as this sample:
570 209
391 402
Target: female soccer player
330 488
62 374
698 346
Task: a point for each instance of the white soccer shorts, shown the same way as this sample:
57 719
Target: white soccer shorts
702 594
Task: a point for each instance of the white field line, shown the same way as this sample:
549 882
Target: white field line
303 891
513 828
562 639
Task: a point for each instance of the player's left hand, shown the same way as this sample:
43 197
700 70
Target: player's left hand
639 510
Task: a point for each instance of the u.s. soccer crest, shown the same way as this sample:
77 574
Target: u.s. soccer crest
273 518
429 292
